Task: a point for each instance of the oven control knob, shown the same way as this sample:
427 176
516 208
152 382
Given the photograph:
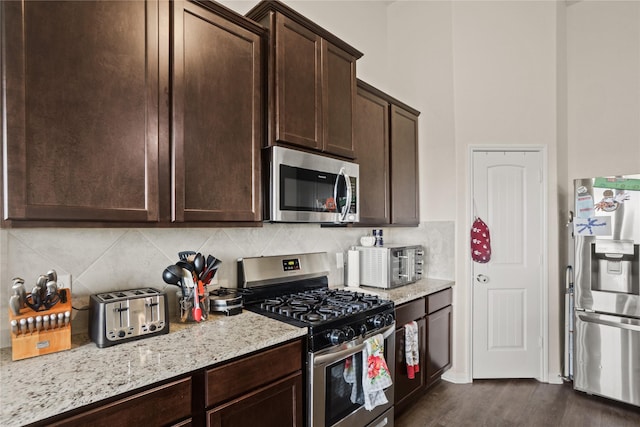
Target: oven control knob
377 321
389 319
349 333
336 337
363 330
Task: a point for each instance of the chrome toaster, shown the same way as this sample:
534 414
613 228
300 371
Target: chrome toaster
120 316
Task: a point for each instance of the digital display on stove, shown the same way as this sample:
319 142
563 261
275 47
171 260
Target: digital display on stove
291 264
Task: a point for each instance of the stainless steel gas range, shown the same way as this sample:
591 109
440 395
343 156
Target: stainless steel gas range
341 327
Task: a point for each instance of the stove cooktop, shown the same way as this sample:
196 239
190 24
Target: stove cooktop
300 296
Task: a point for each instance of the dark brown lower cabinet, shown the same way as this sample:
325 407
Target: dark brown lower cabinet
433 315
405 388
276 405
260 390
439 344
168 404
263 389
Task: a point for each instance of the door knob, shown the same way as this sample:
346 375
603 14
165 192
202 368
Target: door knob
481 278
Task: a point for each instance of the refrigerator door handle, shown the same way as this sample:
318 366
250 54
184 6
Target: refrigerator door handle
624 323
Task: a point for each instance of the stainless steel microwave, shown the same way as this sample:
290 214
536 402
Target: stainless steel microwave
306 187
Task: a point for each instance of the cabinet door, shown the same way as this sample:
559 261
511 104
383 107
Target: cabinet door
81 91
439 327
298 84
276 405
371 134
217 117
405 387
404 167
339 92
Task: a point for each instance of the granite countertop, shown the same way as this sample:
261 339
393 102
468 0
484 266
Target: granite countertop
410 292
87 374
40 387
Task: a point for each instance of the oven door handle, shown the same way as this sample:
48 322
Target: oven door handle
339 355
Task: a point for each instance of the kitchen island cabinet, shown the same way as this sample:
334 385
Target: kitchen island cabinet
131 113
386 143
311 82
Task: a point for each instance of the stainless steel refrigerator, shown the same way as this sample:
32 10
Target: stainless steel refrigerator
605 317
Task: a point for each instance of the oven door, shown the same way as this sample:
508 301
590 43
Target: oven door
330 394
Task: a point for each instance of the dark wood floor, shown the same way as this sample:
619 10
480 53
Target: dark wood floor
515 403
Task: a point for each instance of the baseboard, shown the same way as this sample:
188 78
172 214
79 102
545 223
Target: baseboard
555 378
456 377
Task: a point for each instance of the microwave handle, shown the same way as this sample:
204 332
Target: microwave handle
347 179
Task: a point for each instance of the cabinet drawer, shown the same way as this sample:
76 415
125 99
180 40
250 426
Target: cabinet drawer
239 377
162 405
439 300
410 311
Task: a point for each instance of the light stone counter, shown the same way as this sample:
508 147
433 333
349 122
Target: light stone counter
410 292
40 387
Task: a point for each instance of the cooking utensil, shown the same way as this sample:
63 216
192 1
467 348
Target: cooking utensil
14 327
23 326
15 305
198 263
31 325
19 289
197 311
41 283
67 317
52 275
38 323
52 297
172 275
183 255
211 269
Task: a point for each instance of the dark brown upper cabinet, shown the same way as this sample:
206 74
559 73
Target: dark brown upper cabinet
386 142
405 207
217 116
371 132
131 112
311 82
81 88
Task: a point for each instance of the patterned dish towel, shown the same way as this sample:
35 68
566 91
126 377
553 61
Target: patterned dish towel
352 365
375 373
411 354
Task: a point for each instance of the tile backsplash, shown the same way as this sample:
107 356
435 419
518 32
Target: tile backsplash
107 259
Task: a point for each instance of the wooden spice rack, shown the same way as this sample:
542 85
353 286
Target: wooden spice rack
30 344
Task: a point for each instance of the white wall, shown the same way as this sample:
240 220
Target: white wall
504 94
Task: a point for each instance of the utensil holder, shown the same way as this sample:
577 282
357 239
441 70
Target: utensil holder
29 344
185 307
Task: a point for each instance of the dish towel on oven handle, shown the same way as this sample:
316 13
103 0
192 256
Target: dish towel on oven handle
375 373
351 367
411 354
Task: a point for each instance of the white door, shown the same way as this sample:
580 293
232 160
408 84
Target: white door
507 303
